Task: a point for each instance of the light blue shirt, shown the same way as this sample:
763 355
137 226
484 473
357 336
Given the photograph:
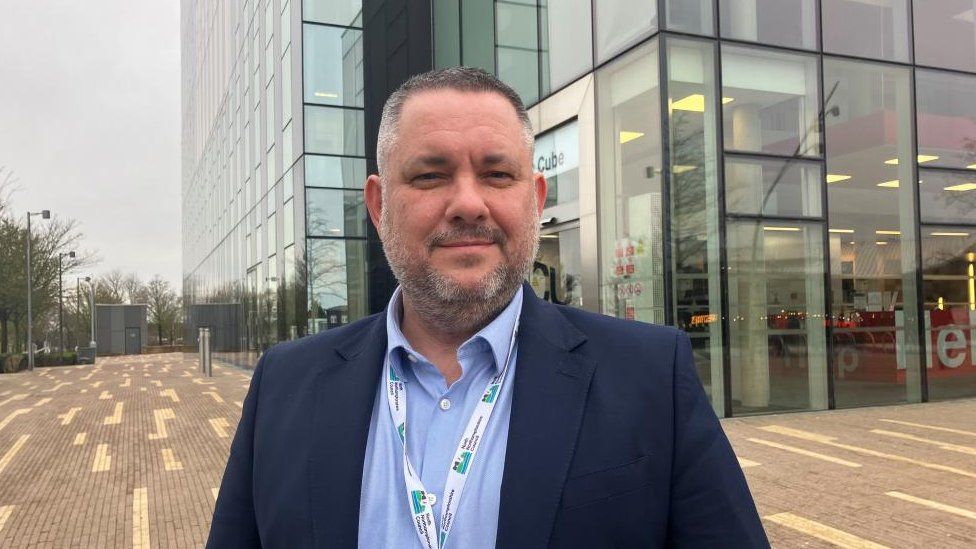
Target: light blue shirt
436 418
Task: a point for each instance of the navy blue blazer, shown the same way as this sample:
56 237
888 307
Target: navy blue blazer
612 442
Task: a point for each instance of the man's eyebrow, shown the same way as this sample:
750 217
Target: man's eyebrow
495 159
427 160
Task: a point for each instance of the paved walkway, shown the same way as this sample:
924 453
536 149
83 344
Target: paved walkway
130 453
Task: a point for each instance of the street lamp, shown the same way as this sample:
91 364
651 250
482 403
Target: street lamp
45 214
78 280
61 256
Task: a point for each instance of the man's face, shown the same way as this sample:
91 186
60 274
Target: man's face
459 214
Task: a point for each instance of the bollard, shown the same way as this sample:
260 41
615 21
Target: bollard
208 363
200 347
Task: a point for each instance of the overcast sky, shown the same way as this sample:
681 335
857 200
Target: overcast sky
90 123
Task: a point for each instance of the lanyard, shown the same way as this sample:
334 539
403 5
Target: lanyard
420 509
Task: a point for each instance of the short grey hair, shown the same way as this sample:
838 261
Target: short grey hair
464 79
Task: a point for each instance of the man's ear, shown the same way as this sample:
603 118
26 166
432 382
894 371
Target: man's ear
374 199
541 190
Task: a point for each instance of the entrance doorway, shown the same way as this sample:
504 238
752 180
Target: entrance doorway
133 341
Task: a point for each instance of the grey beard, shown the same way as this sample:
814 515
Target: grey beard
444 304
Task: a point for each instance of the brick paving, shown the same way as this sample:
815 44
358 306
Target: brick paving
129 453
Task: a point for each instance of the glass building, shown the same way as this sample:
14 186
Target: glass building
792 182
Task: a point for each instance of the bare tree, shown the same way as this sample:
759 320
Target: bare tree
164 306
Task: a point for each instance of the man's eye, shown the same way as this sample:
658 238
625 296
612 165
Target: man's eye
427 177
499 175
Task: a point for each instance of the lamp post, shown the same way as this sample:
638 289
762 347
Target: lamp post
61 255
45 214
91 293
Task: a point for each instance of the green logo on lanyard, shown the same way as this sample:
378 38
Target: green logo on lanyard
462 462
419 499
400 430
490 394
393 376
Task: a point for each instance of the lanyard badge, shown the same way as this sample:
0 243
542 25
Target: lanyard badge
418 499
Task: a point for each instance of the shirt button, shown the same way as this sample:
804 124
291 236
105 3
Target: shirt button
445 404
431 499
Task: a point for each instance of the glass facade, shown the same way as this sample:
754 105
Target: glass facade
789 181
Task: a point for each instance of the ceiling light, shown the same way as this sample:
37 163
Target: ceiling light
682 168
626 136
966 16
972 166
836 178
727 100
328 95
893 184
783 229
842 231
961 187
881 243
950 234
694 103
922 159
894 233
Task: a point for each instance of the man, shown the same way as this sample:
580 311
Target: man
470 414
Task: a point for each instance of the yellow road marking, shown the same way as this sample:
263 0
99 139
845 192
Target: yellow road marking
221 426
830 441
170 463
159 418
42 402
746 463
215 491
934 505
171 393
79 439
103 461
69 415
116 417
96 384
140 518
10 417
826 533
943 445
105 395
86 378
128 382
143 389
239 403
5 393
13 398
199 381
5 512
215 396
84 390
56 387
803 452
932 427
157 383
9 456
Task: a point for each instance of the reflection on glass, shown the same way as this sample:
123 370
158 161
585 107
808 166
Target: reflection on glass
693 16
947 196
337 12
945 34
695 242
335 171
791 23
946 119
517 46
949 297
761 186
565 39
770 102
776 317
335 213
333 65
556 272
330 130
622 23
630 160
336 282
877 29
872 234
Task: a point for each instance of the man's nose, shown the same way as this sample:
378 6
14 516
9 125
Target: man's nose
467 201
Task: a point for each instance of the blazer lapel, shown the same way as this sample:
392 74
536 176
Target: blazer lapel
550 388
345 391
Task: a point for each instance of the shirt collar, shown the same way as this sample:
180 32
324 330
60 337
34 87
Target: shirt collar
498 333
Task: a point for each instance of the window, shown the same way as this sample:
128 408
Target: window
517 47
791 23
871 196
332 171
333 66
566 45
622 23
945 34
337 12
694 16
336 282
335 213
867 28
334 131
947 196
557 158
946 119
770 102
762 186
